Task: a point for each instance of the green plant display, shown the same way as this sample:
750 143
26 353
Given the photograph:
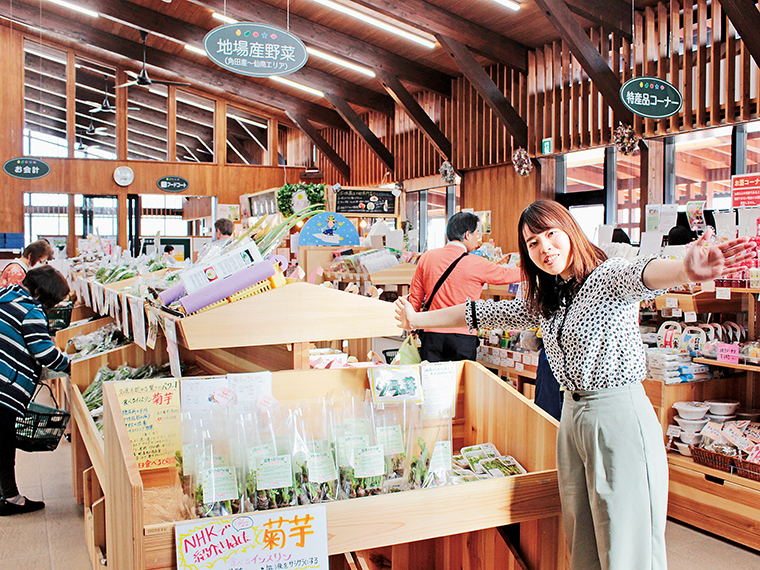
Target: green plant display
314 192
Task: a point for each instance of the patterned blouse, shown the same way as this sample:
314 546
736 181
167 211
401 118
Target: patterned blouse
594 342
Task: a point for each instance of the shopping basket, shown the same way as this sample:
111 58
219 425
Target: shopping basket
59 317
41 427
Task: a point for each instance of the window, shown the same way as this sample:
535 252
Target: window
195 128
147 124
703 167
44 101
246 138
45 215
162 214
629 194
95 111
585 170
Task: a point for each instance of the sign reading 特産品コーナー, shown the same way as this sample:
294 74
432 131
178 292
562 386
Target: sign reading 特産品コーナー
651 97
253 49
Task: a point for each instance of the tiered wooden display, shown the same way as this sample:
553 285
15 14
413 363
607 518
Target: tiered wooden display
718 502
273 330
446 527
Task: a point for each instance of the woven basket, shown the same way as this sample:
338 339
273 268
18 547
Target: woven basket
712 459
41 427
747 469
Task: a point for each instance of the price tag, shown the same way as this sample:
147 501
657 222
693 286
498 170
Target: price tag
671 302
754 454
673 431
723 293
712 430
728 353
519 366
676 312
690 317
708 286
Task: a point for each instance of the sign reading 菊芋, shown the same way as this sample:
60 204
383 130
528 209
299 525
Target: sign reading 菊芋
745 190
26 168
651 97
294 539
253 49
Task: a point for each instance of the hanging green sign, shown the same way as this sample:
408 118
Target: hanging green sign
651 97
172 184
257 50
26 168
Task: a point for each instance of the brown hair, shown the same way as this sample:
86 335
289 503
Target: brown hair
541 290
46 284
37 251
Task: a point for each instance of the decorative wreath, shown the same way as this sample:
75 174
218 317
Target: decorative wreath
314 192
625 139
447 172
521 162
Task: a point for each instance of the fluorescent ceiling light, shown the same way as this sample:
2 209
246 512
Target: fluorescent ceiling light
296 85
74 7
223 18
377 23
339 61
194 49
249 121
511 4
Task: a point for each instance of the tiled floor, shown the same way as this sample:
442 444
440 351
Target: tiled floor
53 539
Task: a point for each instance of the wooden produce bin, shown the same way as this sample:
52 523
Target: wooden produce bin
273 330
703 302
444 527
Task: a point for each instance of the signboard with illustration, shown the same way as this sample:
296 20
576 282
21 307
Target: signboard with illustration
651 97
328 228
257 50
371 202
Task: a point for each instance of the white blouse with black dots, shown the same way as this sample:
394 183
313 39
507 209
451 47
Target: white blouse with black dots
594 343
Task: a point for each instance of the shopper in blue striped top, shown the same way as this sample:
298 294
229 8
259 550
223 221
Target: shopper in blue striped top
25 347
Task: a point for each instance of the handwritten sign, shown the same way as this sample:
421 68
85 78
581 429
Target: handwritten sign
137 310
728 353
439 389
370 202
294 539
745 190
151 413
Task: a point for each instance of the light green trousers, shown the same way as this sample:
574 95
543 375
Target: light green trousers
613 480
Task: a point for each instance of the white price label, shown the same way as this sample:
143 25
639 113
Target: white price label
708 286
677 312
723 293
690 316
671 302
673 431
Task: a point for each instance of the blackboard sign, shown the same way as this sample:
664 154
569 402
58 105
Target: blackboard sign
370 202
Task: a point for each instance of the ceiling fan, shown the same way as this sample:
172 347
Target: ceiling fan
142 79
83 147
105 106
92 129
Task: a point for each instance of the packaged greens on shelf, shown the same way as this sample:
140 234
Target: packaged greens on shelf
269 478
314 453
428 453
218 490
105 338
390 430
361 460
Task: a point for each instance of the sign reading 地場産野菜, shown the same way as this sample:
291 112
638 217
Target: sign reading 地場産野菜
172 184
253 49
651 97
26 168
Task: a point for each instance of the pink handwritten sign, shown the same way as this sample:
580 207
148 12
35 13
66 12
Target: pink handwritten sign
728 353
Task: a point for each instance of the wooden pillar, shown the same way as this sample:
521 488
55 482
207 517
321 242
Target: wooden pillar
547 175
71 241
12 122
121 212
121 115
220 132
273 142
71 109
171 114
652 176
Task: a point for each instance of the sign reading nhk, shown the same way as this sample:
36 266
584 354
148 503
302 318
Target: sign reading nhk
26 168
257 50
172 184
651 97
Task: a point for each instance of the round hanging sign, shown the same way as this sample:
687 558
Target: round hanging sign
257 50
172 184
651 97
26 168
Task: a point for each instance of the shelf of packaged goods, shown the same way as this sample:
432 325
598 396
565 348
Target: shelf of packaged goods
713 362
509 370
702 302
345 277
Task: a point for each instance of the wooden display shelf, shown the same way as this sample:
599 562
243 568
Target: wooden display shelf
63 336
703 302
346 277
294 313
713 362
497 292
723 503
453 521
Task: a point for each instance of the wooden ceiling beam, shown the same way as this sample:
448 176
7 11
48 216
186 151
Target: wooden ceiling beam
614 15
487 89
587 55
181 32
416 113
746 19
337 43
363 131
433 19
112 48
319 141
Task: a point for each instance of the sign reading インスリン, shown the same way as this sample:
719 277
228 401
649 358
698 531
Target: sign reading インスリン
651 97
256 50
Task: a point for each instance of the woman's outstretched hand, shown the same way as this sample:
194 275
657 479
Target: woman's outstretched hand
404 313
704 262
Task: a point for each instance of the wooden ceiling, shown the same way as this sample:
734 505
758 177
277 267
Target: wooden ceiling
492 32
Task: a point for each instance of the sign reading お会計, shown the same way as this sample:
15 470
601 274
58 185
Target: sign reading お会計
26 168
256 50
651 97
